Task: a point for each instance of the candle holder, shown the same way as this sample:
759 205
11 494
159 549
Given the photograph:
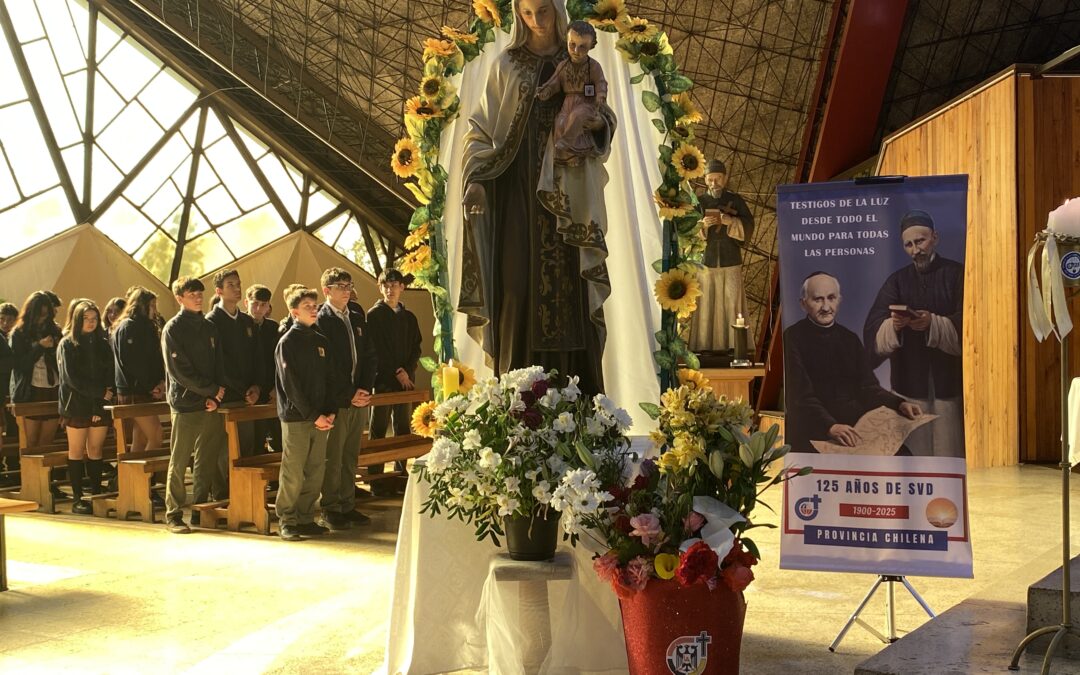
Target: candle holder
740 360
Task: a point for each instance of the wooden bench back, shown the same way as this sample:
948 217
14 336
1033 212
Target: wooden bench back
120 413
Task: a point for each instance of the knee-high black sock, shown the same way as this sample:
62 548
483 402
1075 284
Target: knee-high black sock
93 472
75 474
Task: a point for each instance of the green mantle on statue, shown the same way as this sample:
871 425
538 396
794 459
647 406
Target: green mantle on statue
534 272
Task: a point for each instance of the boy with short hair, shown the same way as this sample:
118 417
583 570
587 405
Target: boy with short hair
195 370
304 379
257 303
345 328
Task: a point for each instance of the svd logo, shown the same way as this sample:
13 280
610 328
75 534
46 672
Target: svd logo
688 655
807 507
1070 265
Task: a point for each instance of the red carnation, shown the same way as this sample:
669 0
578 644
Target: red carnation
528 398
539 388
640 483
532 418
738 577
697 564
622 524
739 556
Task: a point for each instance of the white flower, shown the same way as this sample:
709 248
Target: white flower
594 426
454 404
470 477
489 460
443 452
472 440
457 497
513 485
556 464
571 392
507 505
604 404
623 419
531 474
552 398
564 423
542 492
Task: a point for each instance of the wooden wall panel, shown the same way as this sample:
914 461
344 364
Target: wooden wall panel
1048 142
977 136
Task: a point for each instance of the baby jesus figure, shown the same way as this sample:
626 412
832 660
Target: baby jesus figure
581 80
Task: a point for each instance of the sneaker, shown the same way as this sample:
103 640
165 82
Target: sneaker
290 533
311 529
82 507
335 522
357 518
196 518
177 526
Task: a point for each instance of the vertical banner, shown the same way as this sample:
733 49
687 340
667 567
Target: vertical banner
872 294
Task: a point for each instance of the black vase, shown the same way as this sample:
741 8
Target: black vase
532 537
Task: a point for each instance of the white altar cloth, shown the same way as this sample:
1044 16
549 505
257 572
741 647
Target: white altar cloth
438 584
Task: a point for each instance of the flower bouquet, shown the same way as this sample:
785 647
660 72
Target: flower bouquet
511 453
672 543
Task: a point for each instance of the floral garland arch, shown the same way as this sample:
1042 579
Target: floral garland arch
416 157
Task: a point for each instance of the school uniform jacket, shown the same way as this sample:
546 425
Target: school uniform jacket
86 371
240 351
137 356
397 340
304 367
26 352
349 376
193 361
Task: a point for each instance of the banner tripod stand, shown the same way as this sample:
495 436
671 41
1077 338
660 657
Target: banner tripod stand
890 580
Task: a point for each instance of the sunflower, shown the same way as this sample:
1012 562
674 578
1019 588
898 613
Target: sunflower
458 35
693 379
434 48
418 236
608 14
691 113
416 261
422 109
433 88
423 420
406 159
678 291
670 208
466 375
487 11
636 29
689 162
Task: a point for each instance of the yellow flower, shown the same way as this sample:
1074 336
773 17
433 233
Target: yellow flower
421 109
466 375
416 261
658 438
670 208
636 29
432 88
608 13
691 113
678 291
487 11
458 35
406 159
423 420
434 48
693 379
666 564
418 236
689 162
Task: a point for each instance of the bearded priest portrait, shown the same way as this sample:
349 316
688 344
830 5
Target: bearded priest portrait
550 262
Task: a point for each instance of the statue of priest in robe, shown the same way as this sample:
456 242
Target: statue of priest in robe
534 274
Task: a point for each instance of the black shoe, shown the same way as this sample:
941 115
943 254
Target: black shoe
196 518
357 518
272 486
56 493
312 529
82 507
177 526
335 522
290 533
157 500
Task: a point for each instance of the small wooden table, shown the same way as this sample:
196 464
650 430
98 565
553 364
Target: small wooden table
733 383
9 506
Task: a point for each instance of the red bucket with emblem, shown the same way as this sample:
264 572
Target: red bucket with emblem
675 630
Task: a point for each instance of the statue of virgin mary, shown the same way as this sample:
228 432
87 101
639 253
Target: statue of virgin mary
534 274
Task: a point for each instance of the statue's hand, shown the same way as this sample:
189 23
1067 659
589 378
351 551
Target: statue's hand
475 201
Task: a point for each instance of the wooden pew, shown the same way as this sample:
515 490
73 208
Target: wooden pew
35 464
249 476
135 470
9 506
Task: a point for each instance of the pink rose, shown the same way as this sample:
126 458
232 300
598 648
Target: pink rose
606 566
738 577
646 526
693 522
639 570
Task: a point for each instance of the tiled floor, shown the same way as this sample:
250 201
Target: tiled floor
95 596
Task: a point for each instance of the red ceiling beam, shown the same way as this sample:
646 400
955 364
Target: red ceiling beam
843 119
